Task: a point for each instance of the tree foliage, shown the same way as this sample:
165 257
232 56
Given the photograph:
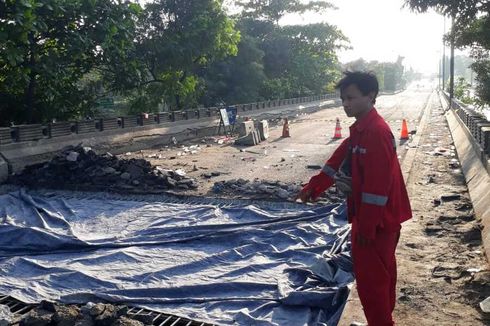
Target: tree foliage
237 79
47 47
463 10
276 61
176 38
462 90
301 60
58 57
482 67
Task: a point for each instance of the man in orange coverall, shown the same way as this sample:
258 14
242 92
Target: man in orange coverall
365 167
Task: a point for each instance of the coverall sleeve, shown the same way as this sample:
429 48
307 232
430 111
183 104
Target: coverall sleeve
333 163
323 180
380 151
339 155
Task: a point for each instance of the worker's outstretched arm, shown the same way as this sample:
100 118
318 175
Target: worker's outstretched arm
323 180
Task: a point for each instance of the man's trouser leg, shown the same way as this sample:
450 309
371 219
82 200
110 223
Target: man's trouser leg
375 272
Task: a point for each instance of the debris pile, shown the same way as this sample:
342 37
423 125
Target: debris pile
48 313
257 189
78 167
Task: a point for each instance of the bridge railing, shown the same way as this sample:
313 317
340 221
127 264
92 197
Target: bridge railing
477 126
35 132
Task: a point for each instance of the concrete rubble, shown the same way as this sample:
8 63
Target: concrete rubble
262 189
91 314
78 167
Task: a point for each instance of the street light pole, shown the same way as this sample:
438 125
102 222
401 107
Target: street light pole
451 65
444 57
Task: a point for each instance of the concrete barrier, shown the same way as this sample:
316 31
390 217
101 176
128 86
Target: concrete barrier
147 119
245 128
165 117
203 113
131 121
475 172
61 129
5 136
191 114
112 123
178 115
84 127
30 132
263 128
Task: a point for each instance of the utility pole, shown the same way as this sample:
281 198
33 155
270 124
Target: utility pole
444 57
451 65
440 73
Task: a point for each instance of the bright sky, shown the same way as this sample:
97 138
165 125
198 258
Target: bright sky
381 30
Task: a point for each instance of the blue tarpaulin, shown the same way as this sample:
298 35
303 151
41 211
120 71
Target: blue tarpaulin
227 264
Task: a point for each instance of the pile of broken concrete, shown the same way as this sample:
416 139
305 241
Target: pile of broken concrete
91 314
263 189
78 167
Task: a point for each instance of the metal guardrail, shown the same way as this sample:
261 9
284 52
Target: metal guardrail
160 319
478 126
26 133
16 307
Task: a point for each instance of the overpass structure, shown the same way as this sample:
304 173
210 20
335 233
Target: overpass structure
469 130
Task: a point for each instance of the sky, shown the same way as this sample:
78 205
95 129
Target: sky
382 30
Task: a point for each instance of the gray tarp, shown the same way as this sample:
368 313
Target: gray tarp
225 264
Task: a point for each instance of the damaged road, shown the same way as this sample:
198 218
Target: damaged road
443 273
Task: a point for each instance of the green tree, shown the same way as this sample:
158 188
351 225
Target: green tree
176 39
276 61
462 91
236 79
48 46
463 11
312 62
298 60
483 80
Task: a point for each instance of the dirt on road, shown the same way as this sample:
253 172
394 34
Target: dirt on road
443 271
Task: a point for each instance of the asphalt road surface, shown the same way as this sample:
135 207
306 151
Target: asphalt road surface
290 159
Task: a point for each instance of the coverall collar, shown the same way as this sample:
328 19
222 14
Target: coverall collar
360 125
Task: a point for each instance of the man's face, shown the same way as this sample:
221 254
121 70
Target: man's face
355 104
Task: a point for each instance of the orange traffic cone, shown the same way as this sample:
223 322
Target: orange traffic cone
338 130
404 134
285 128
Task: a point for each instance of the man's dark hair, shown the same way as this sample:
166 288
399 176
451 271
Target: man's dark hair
365 81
